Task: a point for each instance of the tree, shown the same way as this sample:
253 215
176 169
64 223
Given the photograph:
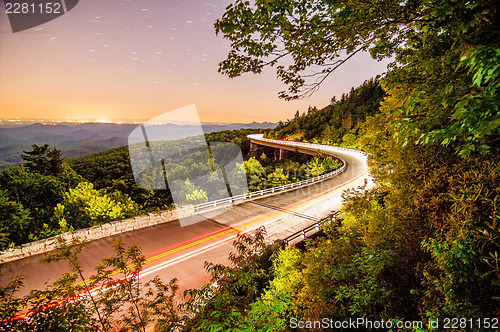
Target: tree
446 54
49 309
331 164
328 123
70 252
84 206
192 194
277 178
222 308
274 309
14 221
43 160
255 173
72 304
314 34
325 136
315 168
38 194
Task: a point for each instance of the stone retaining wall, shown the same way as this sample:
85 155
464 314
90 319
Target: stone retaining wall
96 232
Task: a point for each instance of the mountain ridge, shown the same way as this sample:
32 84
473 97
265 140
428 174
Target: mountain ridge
80 139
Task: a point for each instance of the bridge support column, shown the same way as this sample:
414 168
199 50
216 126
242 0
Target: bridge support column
278 154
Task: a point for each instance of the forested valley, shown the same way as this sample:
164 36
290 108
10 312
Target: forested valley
46 195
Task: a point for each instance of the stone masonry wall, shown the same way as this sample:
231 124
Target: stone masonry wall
96 232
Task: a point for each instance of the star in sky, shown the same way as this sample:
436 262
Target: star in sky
140 58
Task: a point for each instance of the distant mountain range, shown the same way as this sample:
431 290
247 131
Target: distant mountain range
79 139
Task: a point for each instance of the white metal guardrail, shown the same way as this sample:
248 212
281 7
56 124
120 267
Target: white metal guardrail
311 146
326 149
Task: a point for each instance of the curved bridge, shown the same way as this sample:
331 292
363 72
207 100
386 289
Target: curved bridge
299 147
355 161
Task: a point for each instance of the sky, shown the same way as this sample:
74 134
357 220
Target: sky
123 60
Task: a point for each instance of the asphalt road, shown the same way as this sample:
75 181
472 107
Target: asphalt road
180 252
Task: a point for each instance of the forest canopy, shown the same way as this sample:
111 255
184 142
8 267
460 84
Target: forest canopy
338 123
425 243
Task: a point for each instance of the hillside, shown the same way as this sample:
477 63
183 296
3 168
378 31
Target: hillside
111 169
338 123
46 195
76 140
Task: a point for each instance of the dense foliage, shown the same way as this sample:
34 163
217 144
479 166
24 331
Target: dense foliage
264 173
27 202
111 170
339 123
424 244
221 304
45 197
129 305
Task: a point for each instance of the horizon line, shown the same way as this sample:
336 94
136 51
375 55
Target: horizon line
109 121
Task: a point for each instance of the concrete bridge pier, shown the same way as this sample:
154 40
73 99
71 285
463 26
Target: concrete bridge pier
279 148
278 154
